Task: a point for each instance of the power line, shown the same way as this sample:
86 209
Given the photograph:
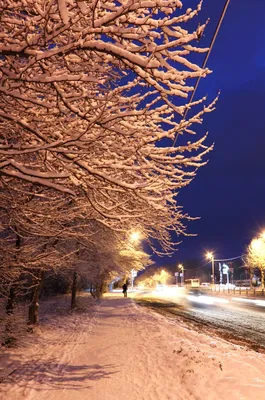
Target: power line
205 62
193 269
230 259
222 259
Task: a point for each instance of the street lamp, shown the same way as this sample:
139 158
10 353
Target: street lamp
181 268
134 236
210 256
180 272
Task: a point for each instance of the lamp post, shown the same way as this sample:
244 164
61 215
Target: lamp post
181 268
210 256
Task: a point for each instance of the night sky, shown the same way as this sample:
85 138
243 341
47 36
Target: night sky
228 194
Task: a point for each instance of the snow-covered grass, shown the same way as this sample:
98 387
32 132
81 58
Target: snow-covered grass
115 349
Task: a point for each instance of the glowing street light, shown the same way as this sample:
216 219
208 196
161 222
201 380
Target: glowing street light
181 268
210 256
180 272
135 236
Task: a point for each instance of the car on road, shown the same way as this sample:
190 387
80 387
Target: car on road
206 285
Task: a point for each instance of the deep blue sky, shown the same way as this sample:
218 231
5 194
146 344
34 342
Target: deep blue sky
229 194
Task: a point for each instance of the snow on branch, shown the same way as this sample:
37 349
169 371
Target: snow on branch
92 95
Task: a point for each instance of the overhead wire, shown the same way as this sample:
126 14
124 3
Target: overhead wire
222 259
193 269
204 63
218 26
230 259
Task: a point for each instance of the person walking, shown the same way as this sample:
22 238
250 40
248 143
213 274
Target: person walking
124 289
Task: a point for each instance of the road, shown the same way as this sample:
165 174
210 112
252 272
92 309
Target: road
241 322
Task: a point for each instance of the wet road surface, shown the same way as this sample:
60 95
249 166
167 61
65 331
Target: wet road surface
241 324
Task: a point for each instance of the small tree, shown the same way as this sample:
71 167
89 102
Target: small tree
256 256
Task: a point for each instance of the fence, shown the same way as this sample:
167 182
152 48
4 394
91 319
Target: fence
239 291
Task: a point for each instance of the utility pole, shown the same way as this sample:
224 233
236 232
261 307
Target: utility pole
210 256
213 269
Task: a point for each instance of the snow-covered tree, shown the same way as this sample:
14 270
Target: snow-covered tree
38 227
92 95
151 278
255 257
107 255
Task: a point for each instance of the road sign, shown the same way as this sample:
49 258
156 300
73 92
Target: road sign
225 269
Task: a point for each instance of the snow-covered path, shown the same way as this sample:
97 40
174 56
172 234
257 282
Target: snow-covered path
119 350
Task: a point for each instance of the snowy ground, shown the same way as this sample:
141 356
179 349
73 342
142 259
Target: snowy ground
115 350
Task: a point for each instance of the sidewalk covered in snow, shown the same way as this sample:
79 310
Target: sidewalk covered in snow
116 349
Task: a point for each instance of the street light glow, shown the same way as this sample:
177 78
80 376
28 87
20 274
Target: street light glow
256 244
135 236
209 255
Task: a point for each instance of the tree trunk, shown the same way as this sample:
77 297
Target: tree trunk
99 290
251 275
12 290
104 287
34 305
9 337
74 290
92 292
10 305
262 278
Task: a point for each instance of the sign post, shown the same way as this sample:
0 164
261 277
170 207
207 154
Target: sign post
226 272
176 275
221 273
181 278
